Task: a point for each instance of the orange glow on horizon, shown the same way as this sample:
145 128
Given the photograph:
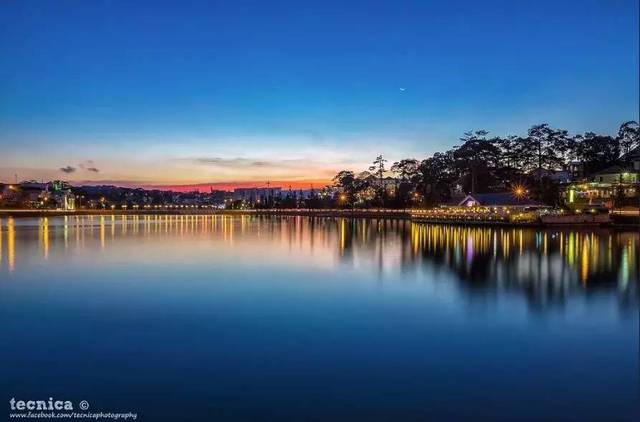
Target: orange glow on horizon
230 186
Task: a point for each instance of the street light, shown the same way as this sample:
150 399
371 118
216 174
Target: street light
519 191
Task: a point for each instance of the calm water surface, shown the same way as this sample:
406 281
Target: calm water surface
292 318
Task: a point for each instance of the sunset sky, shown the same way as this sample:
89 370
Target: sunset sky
237 93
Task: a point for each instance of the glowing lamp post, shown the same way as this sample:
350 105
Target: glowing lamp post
519 192
343 199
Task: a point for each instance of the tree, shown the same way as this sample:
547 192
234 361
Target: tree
365 188
544 148
406 169
407 173
596 151
541 152
437 174
345 180
509 166
476 159
628 136
378 169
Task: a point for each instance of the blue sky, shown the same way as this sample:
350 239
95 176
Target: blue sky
196 92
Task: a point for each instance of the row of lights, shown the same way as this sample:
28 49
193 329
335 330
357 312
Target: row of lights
136 206
464 210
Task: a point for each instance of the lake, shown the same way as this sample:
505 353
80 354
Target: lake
297 318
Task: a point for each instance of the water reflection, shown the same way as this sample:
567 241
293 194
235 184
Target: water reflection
545 265
11 246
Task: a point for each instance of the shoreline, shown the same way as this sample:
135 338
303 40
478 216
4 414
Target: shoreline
617 221
370 213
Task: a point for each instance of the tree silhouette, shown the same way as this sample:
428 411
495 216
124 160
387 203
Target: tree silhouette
476 159
378 169
596 151
628 136
482 164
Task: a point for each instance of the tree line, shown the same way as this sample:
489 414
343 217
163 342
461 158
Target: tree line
481 163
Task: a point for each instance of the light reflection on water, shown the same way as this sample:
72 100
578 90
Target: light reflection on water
546 265
279 318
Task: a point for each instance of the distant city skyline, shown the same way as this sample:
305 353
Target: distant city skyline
232 94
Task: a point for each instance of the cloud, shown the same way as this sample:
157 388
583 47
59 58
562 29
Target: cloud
88 166
252 163
231 162
67 169
246 168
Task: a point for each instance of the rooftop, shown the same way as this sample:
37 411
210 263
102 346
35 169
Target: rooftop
499 199
614 169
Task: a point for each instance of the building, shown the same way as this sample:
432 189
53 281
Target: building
486 208
557 176
501 200
388 184
615 174
255 194
616 185
38 195
57 194
632 159
27 194
9 195
576 170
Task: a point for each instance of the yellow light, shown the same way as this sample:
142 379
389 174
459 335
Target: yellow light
519 191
